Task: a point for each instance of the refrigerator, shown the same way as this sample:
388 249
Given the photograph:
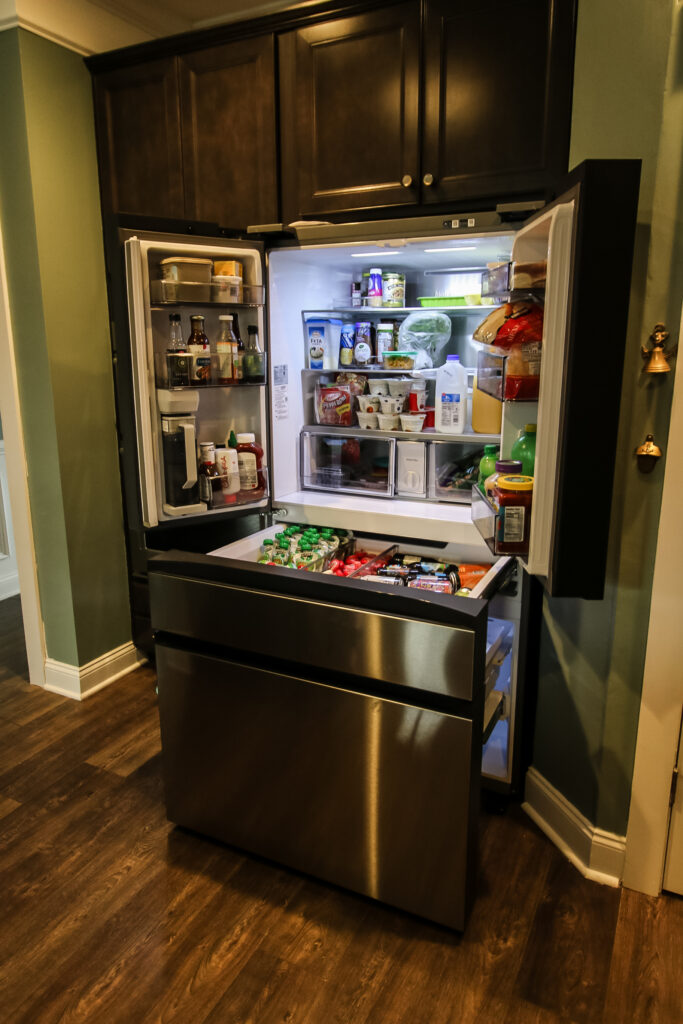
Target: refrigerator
341 726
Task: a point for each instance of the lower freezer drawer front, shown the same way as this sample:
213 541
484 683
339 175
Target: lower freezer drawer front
364 792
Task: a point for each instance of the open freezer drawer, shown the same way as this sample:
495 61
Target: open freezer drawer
331 724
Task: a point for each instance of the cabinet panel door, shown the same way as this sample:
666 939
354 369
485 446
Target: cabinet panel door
139 139
349 113
497 96
229 143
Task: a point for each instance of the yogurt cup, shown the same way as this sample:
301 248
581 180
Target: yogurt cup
369 403
368 420
387 422
412 421
391 406
399 388
378 386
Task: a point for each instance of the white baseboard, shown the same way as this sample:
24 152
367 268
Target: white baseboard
597 854
9 586
72 681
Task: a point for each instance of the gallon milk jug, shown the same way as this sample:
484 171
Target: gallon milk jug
451 397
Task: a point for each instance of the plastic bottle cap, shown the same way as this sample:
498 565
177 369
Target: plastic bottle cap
252 329
452 359
225 316
375 270
489 449
529 428
246 438
516 483
504 466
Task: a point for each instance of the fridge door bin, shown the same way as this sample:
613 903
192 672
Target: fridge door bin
353 464
487 520
368 793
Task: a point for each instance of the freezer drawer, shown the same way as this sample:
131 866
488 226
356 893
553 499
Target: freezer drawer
362 791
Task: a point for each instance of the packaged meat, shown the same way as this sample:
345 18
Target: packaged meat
333 405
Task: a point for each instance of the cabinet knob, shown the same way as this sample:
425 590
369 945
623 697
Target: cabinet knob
407 180
428 179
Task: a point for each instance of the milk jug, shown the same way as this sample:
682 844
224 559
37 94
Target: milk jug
450 414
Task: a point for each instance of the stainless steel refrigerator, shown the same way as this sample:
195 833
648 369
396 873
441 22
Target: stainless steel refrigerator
335 725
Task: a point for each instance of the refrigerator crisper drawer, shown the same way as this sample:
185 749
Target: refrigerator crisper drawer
353 464
436 646
361 791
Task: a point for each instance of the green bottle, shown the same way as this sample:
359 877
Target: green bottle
524 449
487 464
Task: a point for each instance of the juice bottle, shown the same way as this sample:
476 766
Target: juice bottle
487 412
524 449
487 465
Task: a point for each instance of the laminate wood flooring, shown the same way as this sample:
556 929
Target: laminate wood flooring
110 914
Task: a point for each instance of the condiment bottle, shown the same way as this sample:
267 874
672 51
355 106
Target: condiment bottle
250 459
253 357
524 448
514 496
504 467
178 361
224 349
210 488
198 348
228 467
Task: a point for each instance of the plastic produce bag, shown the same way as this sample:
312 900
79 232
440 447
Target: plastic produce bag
426 333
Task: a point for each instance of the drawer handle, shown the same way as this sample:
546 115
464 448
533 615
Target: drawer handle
407 180
428 179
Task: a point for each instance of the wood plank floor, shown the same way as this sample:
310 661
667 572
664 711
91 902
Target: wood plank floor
110 914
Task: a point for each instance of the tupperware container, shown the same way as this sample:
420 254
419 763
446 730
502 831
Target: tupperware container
399 360
226 288
186 268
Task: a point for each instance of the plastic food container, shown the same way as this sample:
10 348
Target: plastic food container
387 422
399 388
368 420
399 360
369 403
378 386
413 421
230 268
226 288
391 406
185 268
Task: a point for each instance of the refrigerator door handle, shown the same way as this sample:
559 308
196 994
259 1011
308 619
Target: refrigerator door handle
190 456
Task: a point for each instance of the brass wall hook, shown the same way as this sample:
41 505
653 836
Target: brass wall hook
647 454
658 359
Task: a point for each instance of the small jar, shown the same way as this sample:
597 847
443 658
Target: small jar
504 467
514 496
393 289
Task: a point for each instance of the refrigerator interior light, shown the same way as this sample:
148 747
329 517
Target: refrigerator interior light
369 255
452 248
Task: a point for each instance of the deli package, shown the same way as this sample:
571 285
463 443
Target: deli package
333 405
516 327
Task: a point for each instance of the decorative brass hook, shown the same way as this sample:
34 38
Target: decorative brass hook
658 358
647 454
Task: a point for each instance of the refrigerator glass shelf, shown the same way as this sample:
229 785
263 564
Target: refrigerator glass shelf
387 311
158 306
207 387
403 435
370 369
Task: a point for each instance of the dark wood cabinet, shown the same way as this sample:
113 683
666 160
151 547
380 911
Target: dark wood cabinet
138 120
350 113
227 102
497 101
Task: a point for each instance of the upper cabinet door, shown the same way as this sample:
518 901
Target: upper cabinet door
497 96
139 139
229 142
349 113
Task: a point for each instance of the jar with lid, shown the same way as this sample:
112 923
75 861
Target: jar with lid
250 460
504 467
384 340
513 523
393 289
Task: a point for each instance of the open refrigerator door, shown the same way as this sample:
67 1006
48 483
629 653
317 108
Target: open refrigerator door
195 382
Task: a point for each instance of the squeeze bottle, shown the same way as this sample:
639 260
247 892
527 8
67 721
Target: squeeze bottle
451 397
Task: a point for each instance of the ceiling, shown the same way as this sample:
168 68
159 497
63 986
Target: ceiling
93 26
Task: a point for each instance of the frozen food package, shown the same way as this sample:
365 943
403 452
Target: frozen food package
333 405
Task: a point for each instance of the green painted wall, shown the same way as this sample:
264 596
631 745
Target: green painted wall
592 653
50 212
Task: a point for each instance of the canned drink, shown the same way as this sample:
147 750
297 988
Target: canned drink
347 343
362 352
